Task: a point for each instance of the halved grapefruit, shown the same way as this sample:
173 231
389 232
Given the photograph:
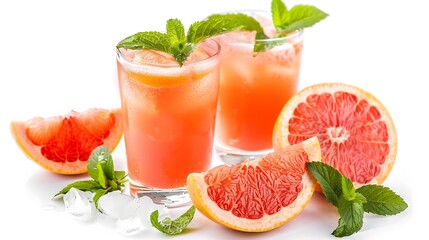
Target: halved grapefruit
63 144
356 133
259 195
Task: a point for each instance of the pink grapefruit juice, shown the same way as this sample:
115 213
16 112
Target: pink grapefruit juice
254 87
169 115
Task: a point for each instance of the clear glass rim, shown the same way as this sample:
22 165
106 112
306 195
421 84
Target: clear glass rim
217 49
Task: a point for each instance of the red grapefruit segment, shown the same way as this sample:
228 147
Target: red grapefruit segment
356 133
259 195
62 144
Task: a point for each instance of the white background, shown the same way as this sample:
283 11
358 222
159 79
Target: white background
60 55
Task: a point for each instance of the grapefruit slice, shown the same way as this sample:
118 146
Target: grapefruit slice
63 144
175 75
356 133
259 195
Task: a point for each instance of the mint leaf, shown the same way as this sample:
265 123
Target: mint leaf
108 166
381 200
113 185
100 155
302 16
329 179
180 49
351 218
120 175
279 13
98 194
200 31
347 188
359 198
176 31
146 40
172 227
86 185
181 52
242 22
101 179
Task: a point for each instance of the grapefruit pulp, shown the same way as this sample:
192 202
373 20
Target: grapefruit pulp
356 133
63 144
259 195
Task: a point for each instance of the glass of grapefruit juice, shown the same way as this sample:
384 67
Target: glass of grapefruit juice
254 87
169 118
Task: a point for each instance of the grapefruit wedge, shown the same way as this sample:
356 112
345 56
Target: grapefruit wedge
258 195
63 144
356 133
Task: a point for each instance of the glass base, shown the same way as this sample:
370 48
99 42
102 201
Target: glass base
231 156
170 198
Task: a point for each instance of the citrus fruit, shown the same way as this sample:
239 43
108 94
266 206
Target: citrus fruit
63 144
258 195
356 133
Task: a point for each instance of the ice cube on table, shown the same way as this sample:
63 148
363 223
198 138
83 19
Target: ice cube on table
112 204
132 215
128 214
79 204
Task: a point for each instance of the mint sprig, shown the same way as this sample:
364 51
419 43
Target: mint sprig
298 17
175 41
285 21
172 227
104 177
352 203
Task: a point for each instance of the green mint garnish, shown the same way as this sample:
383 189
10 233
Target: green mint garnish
352 203
285 21
172 227
348 189
104 177
175 41
298 17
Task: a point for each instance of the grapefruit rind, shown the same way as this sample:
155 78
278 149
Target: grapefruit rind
33 152
197 189
281 130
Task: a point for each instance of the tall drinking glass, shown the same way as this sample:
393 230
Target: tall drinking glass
254 87
169 118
